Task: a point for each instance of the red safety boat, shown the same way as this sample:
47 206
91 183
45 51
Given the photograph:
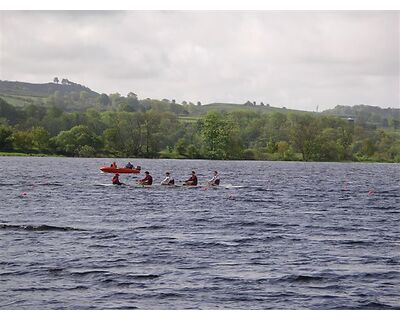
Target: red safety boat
119 170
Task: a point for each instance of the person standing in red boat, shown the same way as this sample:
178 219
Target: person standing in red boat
147 180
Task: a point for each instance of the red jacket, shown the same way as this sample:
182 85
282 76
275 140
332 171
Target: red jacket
192 179
147 180
115 180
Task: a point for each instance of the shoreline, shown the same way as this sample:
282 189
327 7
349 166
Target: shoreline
42 155
24 154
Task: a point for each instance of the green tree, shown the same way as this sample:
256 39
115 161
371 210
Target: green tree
152 134
10 113
104 100
329 148
282 149
40 138
180 147
22 140
87 151
192 152
124 135
368 147
6 133
220 137
395 123
70 142
35 112
92 119
304 133
133 102
271 146
58 99
214 135
113 144
116 99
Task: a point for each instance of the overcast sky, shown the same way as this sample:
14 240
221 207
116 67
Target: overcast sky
288 58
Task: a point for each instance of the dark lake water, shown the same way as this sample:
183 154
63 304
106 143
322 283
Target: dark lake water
276 235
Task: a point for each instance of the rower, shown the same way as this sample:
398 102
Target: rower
214 180
115 179
147 180
192 181
168 180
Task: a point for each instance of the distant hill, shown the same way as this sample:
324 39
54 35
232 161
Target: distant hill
367 115
352 111
41 89
203 109
70 96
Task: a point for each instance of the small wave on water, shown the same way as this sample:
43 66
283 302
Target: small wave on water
302 278
6 184
42 227
372 305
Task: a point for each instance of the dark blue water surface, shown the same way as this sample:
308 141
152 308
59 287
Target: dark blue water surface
276 235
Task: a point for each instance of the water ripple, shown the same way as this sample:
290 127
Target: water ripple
293 236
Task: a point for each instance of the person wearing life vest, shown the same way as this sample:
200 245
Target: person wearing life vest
168 180
147 180
113 165
192 181
214 180
115 179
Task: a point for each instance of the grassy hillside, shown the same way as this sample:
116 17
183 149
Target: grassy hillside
68 96
17 88
22 100
235 107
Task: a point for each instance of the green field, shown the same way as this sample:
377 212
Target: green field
188 119
20 100
229 107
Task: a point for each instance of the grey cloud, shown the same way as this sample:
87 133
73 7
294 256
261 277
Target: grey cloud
293 59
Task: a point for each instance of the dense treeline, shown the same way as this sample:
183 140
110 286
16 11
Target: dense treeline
152 128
